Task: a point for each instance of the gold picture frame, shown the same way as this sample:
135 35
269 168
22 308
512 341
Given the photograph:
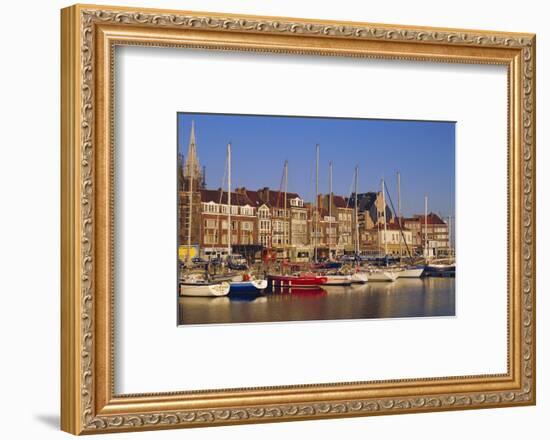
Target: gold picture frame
88 37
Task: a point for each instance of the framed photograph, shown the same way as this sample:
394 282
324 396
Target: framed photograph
269 219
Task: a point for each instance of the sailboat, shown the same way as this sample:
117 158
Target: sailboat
444 267
193 284
248 285
377 274
336 278
408 271
303 281
359 277
238 283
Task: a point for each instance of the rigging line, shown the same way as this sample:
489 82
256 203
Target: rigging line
311 186
221 190
281 186
399 222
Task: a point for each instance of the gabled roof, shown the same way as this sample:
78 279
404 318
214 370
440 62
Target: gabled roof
252 197
340 202
276 199
432 219
220 196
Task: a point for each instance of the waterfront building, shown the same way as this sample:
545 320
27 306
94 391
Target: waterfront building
280 218
289 231
392 239
318 220
371 205
215 227
431 231
264 221
340 228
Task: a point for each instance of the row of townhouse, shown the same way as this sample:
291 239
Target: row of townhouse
260 220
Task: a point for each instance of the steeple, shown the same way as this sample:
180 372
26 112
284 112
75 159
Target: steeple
192 167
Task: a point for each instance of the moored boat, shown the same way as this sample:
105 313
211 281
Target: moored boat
382 275
338 280
411 272
248 286
302 281
440 270
359 278
206 288
227 277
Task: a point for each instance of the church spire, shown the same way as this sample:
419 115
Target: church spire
192 167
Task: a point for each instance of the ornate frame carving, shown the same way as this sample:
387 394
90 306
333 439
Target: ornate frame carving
89 34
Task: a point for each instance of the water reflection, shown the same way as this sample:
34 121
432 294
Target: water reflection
403 298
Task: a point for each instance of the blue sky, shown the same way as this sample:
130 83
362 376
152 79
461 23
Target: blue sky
422 151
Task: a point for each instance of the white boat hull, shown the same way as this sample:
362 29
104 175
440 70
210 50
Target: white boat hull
382 275
338 280
411 273
359 278
206 289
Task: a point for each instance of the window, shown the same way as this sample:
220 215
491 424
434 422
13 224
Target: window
210 224
211 238
263 212
246 226
247 210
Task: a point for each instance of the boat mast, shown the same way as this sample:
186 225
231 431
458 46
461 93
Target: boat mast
190 213
329 207
426 227
356 212
285 210
316 230
385 222
229 198
399 212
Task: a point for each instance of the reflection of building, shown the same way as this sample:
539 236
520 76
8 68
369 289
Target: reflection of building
430 230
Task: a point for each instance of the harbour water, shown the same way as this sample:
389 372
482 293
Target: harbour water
404 298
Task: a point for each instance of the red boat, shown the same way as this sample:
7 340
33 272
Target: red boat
302 281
